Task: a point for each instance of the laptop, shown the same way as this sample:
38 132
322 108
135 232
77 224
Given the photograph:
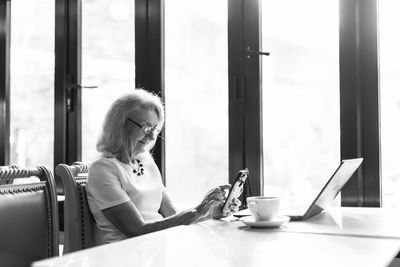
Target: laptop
325 197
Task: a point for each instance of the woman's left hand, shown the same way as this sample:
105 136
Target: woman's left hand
216 194
233 207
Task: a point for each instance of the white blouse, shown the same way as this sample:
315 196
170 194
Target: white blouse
111 182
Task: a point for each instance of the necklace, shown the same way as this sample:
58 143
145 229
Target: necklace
140 170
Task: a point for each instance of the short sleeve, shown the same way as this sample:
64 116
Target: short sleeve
104 185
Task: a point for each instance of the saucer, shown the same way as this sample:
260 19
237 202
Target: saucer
250 221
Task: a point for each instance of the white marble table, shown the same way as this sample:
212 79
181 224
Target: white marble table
224 243
371 222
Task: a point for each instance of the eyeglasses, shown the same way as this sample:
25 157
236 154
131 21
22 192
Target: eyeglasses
147 129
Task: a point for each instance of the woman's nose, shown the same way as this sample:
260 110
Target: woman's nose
151 136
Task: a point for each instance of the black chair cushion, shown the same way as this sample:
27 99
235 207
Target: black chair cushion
23 220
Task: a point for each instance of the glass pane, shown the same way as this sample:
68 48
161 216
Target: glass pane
32 83
108 61
196 90
300 97
390 100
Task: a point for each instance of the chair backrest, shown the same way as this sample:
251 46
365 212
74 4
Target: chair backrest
7 177
28 217
79 224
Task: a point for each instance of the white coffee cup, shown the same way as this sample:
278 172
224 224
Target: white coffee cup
263 208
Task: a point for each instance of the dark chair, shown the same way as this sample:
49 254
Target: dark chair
79 224
28 216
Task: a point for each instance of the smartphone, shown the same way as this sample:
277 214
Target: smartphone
236 190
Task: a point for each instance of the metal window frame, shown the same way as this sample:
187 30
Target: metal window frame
5 29
359 100
149 58
67 93
245 94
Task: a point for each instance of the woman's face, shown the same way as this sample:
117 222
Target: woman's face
140 140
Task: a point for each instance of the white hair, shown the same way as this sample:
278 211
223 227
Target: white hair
114 139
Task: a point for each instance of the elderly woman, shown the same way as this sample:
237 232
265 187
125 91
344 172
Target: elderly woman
124 189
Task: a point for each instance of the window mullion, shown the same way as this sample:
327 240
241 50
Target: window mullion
245 128
359 100
67 124
149 59
5 29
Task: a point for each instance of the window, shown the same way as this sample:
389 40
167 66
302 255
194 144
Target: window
108 62
390 101
32 83
300 97
299 91
196 98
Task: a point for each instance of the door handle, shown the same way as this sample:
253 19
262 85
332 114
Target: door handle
79 86
251 52
72 87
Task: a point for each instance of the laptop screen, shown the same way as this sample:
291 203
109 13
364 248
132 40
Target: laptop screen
333 186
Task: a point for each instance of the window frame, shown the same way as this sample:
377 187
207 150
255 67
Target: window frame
359 96
149 59
67 81
245 95
5 36
359 100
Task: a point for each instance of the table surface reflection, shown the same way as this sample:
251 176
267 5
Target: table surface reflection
325 240
371 222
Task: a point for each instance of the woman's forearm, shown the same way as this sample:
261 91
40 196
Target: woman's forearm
182 218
